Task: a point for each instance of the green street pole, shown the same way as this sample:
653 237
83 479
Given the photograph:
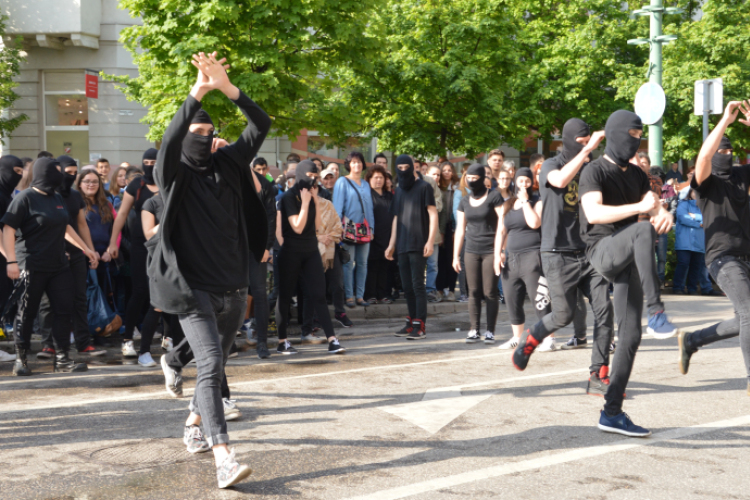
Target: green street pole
655 139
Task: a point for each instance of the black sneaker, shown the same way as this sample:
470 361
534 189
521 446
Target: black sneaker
525 349
344 320
598 382
285 347
417 331
575 343
334 347
262 350
685 351
406 330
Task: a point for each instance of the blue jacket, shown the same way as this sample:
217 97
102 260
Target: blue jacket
457 195
689 234
346 202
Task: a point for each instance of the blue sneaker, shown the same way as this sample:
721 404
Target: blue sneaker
621 424
660 327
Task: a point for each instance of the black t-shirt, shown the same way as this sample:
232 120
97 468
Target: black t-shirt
381 208
413 219
73 204
481 222
521 238
40 222
289 205
726 213
561 231
155 205
138 190
618 187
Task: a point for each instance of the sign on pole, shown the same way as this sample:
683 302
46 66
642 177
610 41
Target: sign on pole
650 103
709 100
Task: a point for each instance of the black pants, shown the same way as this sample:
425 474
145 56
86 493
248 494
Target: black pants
140 294
257 290
447 276
148 329
627 259
412 267
335 282
481 282
522 275
568 274
59 288
79 270
379 282
307 268
733 276
6 286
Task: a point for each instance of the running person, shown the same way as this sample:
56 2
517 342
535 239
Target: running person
566 267
723 201
517 259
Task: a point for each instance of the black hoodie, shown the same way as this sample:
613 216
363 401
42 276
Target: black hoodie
73 201
9 179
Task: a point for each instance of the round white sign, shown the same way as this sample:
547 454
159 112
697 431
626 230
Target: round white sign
650 103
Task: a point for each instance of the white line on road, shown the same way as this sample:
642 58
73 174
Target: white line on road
556 459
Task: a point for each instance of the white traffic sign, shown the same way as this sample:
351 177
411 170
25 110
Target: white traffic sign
715 103
650 103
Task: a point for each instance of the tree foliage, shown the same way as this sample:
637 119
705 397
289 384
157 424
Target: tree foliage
11 57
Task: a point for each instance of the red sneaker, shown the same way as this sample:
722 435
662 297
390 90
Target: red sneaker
92 351
46 353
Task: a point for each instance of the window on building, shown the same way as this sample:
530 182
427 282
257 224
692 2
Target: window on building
66 115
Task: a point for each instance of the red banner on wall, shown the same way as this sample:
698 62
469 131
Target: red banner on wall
92 86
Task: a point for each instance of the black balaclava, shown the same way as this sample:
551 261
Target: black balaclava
46 176
148 170
68 179
303 181
9 179
477 187
621 146
572 130
523 172
196 148
405 177
721 164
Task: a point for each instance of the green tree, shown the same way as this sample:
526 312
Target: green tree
280 52
11 57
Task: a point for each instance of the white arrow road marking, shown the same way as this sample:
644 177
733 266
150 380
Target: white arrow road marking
442 405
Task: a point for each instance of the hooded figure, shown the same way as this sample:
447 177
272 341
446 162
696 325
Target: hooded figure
721 164
47 176
196 148
68 179
621 146
477 187
523 172
9 179
148 170
405 177
303 181
572 130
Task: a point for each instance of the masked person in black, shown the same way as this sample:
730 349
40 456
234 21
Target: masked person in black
415 225
564 260
723 201
199 259
36 226
477 218
139 190
299 258
11 173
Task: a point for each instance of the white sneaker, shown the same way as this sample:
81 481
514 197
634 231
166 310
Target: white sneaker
136 334
511 344
167 344
489 338
472 337
7 358
146 360
547 345
231 412
128 351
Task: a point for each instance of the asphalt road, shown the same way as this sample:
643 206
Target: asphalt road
432 419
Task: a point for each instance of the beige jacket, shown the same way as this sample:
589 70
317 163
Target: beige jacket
331 227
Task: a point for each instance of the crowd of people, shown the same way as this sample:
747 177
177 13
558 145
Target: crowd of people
182 245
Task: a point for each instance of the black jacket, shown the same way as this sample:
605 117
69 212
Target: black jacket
268 197
170 291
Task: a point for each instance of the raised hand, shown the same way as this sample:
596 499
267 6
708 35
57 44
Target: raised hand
596 139
745 110
212 73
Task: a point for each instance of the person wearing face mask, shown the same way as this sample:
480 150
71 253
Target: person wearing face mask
564 262
723 200
414 229
35 228
139 190
76 209
613 193
477 218
199 260
11 173
517 260
299 258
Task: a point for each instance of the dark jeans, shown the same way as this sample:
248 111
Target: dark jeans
627 259
335 282
140 292
148 329
379 281
59 288
691 265
411 266
182 354
79 270
481 281
446 277
211 333
523 275
579 317
661 255
733 276
568 275
258 272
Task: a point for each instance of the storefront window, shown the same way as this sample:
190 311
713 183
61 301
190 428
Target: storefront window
66 115
67 110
